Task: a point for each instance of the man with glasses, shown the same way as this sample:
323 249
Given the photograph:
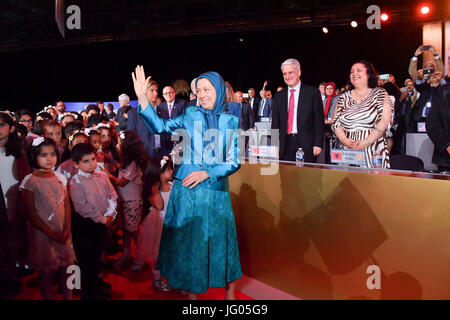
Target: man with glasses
170 108
26 118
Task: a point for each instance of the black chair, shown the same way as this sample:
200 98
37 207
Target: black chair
404 162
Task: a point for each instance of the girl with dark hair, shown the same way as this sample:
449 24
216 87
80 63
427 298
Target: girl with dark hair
84 117
14 168
133 163
108 148
363 115
53 130
157 185
67 168
49 212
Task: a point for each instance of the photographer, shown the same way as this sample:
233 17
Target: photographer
419 74
427 81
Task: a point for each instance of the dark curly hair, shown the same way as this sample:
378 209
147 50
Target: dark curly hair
90 107
13 146
133 149
371 73
112 144
151 176
33 152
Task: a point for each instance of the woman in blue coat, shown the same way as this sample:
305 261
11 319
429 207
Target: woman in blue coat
199 247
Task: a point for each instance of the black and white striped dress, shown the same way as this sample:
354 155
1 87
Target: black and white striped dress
358 119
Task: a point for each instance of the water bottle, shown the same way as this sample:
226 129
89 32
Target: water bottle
377 161
299 156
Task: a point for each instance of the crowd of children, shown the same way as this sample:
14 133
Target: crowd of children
69 182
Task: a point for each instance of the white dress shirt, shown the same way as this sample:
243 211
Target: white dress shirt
296 94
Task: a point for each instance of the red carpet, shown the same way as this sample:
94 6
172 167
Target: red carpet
126 285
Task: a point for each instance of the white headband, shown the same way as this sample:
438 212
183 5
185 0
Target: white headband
164 161
37 141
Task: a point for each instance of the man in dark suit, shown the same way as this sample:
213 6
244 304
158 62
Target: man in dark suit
101 106
246 120
170 108
438 127
122 113
152 142
265 106
297 113
253 102
427 91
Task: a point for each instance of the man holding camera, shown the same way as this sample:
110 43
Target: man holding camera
427 80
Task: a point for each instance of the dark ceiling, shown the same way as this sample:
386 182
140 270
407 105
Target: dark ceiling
28 24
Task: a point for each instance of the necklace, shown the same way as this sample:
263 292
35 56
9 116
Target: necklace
359 97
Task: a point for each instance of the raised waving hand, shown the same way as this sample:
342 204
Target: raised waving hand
140 85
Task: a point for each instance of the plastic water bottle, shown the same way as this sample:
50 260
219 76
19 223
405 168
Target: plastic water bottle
299 156
377 161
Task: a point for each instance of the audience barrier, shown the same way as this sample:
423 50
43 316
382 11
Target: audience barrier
329 232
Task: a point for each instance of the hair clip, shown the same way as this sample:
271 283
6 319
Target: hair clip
164 161
88 131
37 141
75 133
122 135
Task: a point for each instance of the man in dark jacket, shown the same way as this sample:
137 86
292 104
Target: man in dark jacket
438 127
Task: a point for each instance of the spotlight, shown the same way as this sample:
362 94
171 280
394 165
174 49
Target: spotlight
354 24
384 16
425 10
325 30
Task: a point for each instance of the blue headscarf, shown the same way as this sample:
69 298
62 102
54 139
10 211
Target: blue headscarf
211 116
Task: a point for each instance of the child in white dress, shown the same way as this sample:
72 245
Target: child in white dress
134 160
48 206
156 193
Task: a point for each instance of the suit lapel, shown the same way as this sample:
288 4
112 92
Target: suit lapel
166 110
284 107
301 97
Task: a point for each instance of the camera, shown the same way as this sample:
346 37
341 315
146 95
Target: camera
428 71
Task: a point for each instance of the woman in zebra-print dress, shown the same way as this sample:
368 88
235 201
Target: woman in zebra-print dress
363 114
